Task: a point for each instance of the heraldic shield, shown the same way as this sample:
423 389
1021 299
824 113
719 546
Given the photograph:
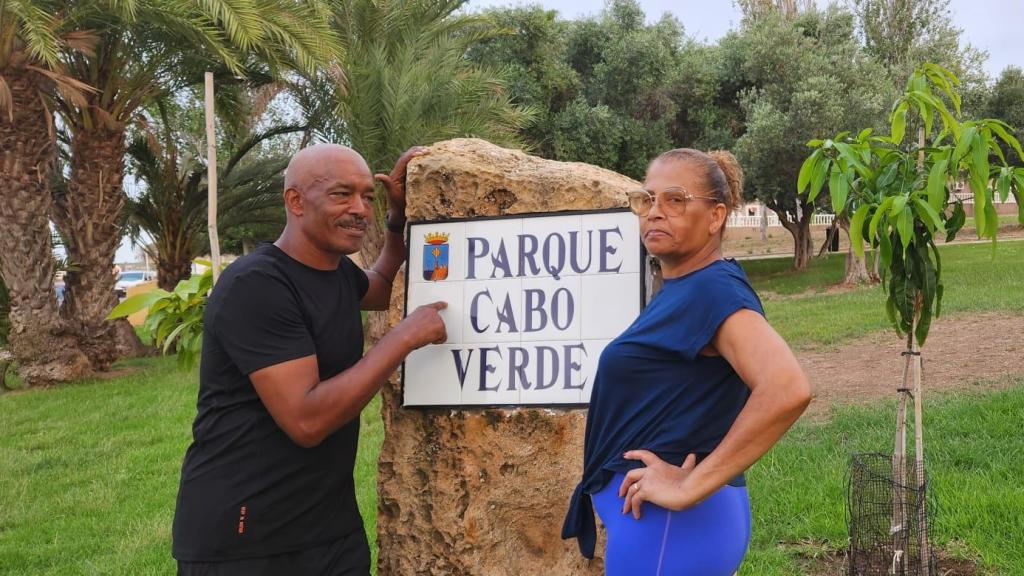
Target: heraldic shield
435 256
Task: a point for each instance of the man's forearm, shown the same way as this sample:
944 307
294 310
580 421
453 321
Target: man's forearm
391 257
382 274
334 402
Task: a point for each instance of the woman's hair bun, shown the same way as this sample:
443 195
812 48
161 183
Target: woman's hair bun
730 167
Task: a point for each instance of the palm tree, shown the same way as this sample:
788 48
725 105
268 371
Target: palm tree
153 48
32 35
173 208
407 81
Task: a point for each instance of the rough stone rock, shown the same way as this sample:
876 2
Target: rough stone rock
473 491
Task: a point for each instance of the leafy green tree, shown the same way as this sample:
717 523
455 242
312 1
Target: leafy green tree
627 72
804 76
530 47
1006 101
612 90
900 35
755 9
897 188
33 35
709 115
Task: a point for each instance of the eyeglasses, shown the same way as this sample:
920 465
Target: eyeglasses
673 200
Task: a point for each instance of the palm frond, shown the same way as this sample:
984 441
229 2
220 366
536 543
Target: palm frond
83 41
37 28
240 19
408 81
72 89
254 140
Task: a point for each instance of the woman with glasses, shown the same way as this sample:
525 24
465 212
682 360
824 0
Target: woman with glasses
687 398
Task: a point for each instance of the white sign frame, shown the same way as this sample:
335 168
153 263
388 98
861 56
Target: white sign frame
567 278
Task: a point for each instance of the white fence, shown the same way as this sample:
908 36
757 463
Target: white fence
741 221
967 197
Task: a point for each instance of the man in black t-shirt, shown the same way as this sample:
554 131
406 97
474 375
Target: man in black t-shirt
267 486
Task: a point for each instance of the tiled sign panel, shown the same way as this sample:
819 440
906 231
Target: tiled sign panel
532 302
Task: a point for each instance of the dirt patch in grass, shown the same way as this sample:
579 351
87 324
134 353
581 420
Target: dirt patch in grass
978 352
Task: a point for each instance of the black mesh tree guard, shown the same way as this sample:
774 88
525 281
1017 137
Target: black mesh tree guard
885 518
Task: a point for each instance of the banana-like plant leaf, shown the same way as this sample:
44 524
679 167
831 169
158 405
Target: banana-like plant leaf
137 303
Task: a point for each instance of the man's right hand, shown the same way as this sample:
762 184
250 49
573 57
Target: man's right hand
424 326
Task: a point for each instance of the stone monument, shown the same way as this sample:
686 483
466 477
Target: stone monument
484 491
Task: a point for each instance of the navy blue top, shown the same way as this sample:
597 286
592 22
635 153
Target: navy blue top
654 391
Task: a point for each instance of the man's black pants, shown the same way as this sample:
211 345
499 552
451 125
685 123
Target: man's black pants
349 556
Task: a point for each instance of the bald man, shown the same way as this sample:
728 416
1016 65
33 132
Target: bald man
267 486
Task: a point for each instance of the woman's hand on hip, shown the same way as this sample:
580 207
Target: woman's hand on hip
657 482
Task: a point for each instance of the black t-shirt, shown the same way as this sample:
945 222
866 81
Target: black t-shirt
247 490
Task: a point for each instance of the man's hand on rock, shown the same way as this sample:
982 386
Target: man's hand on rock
394 183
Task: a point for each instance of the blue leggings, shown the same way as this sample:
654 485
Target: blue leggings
708 539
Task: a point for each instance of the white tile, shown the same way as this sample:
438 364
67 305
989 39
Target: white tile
594 348
498 305
421 293
492 248
551 309
420 250
554 370
432 379
551 246
490 364
610 304
614 240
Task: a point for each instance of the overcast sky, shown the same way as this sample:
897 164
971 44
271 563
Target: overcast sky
992 25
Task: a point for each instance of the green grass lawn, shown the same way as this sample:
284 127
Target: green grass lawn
1004 220
975 462
974 282
89 472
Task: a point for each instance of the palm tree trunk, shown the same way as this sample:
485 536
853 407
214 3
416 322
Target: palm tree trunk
45 352
170 271
90 218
